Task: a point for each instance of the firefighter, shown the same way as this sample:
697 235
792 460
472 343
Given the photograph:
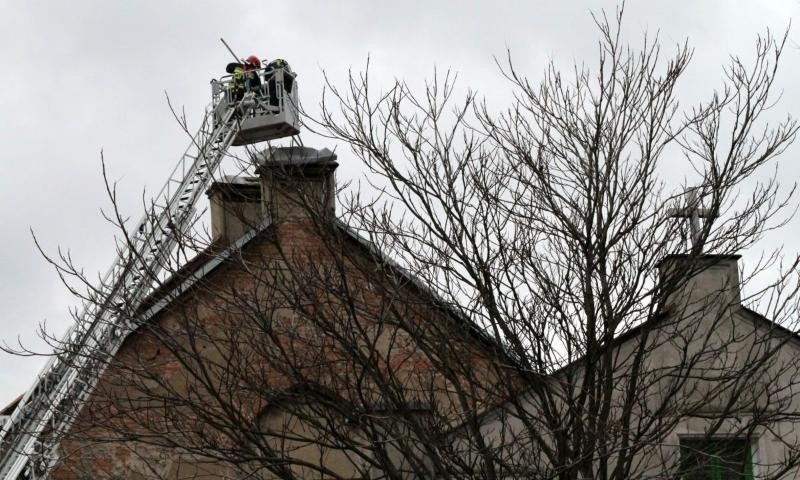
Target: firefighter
269 76
251 67
237 85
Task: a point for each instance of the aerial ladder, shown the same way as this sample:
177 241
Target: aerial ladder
235 116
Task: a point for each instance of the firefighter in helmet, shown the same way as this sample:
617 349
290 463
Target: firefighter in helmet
251 68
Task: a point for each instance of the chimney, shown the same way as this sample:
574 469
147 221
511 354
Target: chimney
297 182
235 208
701 282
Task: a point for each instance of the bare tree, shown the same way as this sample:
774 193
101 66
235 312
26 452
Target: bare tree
545 314
548 225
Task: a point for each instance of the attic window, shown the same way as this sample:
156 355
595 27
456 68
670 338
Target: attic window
716 459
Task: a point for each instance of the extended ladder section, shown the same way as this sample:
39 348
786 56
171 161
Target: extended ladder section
46 411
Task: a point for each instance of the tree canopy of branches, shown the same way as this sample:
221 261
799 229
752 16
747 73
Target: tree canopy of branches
547 224
543 319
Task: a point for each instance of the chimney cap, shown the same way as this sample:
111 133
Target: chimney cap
305 159
234 184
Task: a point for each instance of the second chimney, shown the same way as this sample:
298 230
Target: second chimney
235 208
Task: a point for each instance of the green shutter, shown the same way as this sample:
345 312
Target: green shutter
748 466
716 468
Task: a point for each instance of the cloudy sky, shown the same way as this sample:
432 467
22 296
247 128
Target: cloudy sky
81 76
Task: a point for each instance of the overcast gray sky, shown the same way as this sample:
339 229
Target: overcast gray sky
81 75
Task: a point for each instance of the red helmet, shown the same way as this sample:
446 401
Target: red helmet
254 61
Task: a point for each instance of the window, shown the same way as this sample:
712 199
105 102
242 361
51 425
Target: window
716 459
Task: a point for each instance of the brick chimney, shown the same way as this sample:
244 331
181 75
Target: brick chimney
297 182
701 282
235 208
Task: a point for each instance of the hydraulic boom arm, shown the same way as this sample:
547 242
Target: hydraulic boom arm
48 409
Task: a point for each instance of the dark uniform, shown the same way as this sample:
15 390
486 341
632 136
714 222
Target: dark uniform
269 76
252 81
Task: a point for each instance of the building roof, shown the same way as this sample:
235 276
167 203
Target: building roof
637 330
195 270
8 409
214 256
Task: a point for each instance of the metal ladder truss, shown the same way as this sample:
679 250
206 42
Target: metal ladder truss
47 410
